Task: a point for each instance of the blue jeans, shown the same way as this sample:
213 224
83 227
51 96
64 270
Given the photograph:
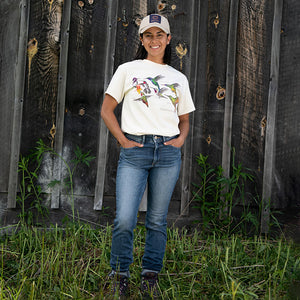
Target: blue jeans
160 166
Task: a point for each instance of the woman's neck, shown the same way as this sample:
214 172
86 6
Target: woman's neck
157 60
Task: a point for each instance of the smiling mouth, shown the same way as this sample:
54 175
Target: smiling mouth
154 47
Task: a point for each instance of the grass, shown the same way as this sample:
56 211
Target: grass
217 261
73 263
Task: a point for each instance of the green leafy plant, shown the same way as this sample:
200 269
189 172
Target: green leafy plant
31 191
216 197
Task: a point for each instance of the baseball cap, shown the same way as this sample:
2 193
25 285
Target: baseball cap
154 20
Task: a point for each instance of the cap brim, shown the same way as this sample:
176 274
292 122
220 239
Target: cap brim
142 30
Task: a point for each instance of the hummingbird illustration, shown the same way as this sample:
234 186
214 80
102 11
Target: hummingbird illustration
172 87
173 100
154 81
143 99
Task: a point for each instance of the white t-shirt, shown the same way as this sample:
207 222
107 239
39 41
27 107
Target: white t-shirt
154 96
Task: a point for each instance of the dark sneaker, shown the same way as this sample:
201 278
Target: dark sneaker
119 285
149 285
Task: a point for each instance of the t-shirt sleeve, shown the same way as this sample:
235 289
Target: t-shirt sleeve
186 104
116 85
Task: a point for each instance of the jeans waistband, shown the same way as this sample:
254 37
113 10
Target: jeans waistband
149 137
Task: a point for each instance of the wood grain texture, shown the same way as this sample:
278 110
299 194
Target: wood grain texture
18 107
218 14
251 91
17 73
102 162
9 35
86 73
268 177
230 84
57 130
42 72
286 186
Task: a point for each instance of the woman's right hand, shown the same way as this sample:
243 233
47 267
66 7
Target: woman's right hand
130 144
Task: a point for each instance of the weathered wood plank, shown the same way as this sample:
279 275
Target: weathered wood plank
193 73
61 96
9 36
230 82
42 74
199 89
103 133
213 110
269 162
286 186
18 105
251 90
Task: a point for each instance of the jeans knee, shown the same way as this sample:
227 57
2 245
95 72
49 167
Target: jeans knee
124 224
156 222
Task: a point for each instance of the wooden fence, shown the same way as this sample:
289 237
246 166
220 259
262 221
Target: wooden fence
242 58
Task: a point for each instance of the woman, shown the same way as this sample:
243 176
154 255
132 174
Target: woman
154 126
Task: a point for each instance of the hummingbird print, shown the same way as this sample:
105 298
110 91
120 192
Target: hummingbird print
154 81
172 87
144 99
173 100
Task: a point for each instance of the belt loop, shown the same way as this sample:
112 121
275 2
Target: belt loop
164 138
143 140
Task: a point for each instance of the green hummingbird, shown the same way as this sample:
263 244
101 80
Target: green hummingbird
143 99
173 100
154 81
172 87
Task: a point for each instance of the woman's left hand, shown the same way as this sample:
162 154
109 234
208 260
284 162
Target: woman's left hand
178 142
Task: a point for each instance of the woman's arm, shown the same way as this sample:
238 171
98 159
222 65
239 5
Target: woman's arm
184 127
110 120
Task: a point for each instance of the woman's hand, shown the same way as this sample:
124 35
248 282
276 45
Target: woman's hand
130 144
184 126
178 142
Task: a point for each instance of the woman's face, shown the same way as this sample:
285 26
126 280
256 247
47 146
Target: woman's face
155 42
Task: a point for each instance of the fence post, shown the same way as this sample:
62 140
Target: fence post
18 105
61 99
103 132
230 83
269 159
187 150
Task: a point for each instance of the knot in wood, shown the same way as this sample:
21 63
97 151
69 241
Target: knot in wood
217 21
221 92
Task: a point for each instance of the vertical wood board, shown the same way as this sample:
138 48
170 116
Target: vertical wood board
58 125
9 35
251 92
18 106
218 15
86 72
103 132
43 51
230 83
286 185
268 177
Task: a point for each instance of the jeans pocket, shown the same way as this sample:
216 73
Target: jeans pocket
172 138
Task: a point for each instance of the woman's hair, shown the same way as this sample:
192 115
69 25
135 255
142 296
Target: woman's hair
141 53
